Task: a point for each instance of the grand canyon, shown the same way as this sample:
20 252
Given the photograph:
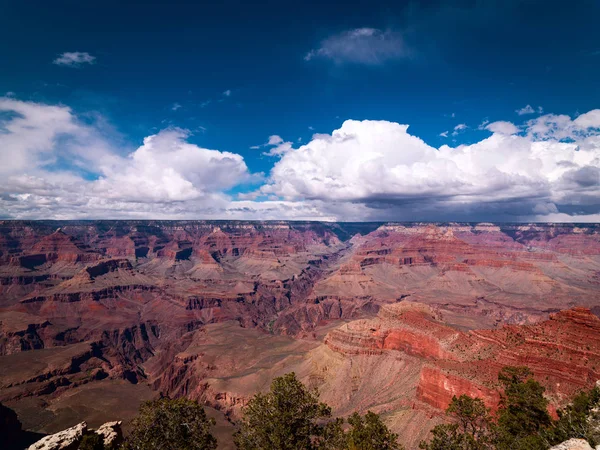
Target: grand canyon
98 316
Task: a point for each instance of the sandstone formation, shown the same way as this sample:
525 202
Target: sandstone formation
454 362
394 317
68 439
574 444
111 434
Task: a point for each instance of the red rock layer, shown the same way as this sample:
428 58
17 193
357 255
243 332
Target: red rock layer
563 352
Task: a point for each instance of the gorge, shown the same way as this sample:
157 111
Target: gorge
98 316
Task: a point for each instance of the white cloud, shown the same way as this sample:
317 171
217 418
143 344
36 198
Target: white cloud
502 127
227 93
53 165
274 140
369 46
459 129
444 134
74 59
552 126
525 110
280 149
279 146
588 120
378 163
167 168
34 136
175 106
528 109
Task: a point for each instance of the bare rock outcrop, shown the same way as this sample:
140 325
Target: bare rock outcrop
110 302
574 444
68 439
111 434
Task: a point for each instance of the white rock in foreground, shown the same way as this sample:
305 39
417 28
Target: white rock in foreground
573 444
65 440
111 433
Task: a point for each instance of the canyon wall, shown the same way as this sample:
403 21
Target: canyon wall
439 307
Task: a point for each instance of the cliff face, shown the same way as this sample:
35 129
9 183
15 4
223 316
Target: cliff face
563 352
84 303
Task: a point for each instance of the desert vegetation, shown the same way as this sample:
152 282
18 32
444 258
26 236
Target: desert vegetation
522 421
290 416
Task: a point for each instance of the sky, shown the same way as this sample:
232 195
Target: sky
354 111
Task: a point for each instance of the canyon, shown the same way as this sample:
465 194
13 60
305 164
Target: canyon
98 316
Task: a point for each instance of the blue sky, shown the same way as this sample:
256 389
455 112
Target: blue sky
229 75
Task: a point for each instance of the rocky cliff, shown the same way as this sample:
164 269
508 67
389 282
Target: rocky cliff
438 307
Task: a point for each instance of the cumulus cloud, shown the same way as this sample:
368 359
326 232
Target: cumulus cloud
369 46
588 120
167 168
274 140
502 127
561 127
35 136
53 165
382 166
277 144
74 59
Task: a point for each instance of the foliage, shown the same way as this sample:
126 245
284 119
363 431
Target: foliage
447 437
469 430
522 422
168 424
286 418
290 417
370 433
579 419
331 436
471 415
91 441
523 415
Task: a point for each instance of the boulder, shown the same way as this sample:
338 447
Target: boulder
68 439
111 434
573 444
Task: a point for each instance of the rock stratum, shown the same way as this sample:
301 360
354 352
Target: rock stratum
97 316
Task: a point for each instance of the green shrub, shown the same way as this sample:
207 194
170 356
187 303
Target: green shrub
290 417
91 441
370 433
285 418
167 424
470 429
